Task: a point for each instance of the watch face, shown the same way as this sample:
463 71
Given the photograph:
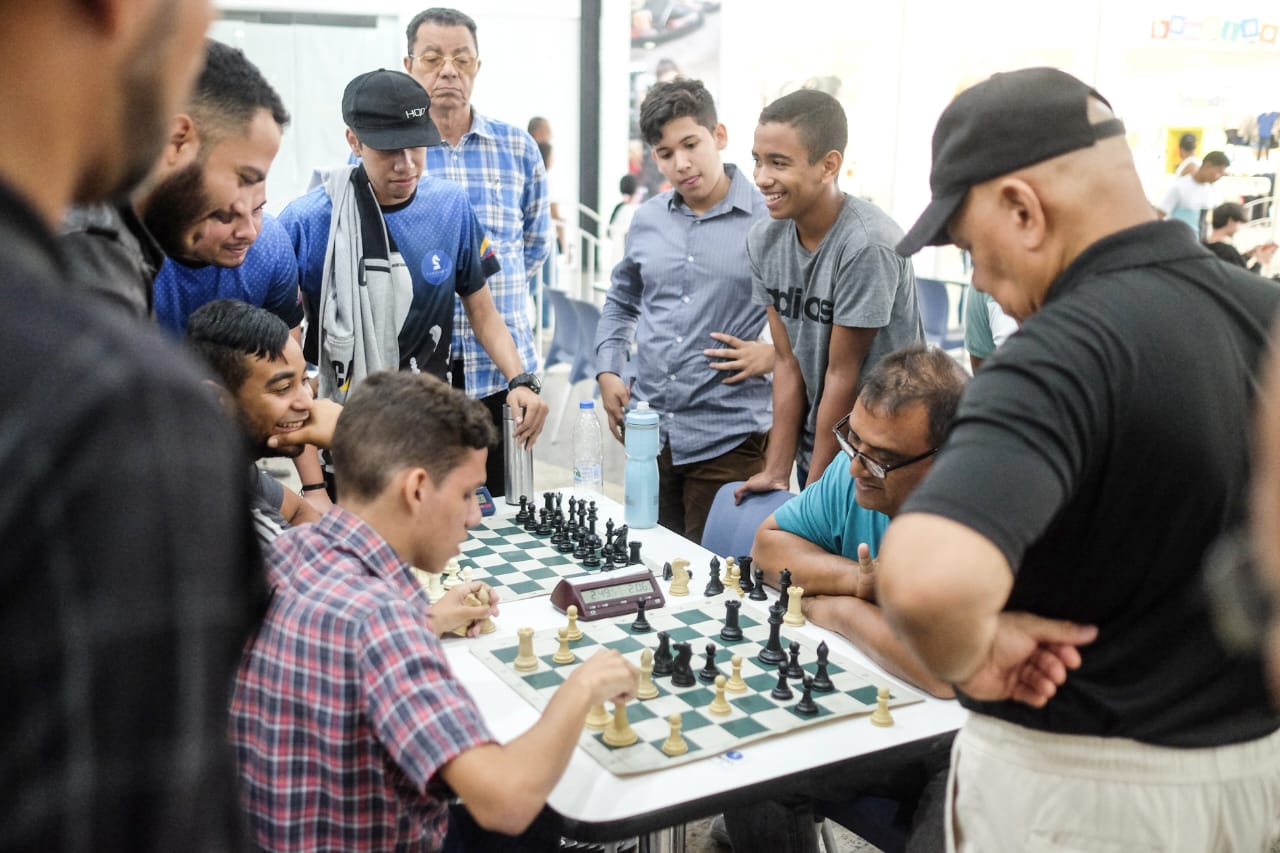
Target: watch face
527 380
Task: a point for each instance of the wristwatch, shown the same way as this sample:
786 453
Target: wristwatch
525 380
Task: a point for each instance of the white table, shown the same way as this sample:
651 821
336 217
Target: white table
599 806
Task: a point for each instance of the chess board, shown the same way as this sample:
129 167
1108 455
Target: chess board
755 714
515 562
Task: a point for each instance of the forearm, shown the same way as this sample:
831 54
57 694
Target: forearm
788 409
307 464
942 587
863 624
838 393
492 333
812 567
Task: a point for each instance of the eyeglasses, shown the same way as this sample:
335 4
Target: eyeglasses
463 63
876 469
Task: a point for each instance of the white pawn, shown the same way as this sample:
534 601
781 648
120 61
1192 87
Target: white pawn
575 633
674 744
881 716
735 683
720 706
648 690
563 654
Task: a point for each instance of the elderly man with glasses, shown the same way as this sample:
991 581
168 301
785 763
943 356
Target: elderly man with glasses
828 537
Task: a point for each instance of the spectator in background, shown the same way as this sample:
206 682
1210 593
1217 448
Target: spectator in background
620 217
986 326
506 181
1227 219
1191 197
540 129
1188 162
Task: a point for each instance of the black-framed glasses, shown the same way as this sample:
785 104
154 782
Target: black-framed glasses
463 63
876 469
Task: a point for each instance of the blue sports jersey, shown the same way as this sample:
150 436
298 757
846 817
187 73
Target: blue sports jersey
268 278
442 245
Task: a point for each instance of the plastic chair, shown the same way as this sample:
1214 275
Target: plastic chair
564 340
935 311
575 345
730 527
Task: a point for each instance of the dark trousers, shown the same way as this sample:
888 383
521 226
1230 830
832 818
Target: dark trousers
494 469
685 492
465 835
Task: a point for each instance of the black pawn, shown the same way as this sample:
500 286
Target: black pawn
714 586
666 570
709 670
531 520
682 669
524 510
744 567
806 705
784 584
822 681
592 558
782 690
758 592
732 631
662 660
635 554
772 653
793 666
641 625
546 524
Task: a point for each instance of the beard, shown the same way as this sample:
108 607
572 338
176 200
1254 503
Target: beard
175 206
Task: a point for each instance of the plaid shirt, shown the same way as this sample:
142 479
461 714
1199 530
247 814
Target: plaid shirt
345 707
502 170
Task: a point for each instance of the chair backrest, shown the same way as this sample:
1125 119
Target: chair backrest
564 341
731 528
933 307
584 360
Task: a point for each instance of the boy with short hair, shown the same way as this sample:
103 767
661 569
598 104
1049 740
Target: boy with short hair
837 294
349 725
684 281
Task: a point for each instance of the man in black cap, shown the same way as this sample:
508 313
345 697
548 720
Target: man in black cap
1051 565
382 249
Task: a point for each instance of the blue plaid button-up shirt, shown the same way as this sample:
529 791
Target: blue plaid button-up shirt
502 170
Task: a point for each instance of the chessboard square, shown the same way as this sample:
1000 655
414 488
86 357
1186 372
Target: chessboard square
525 587
832 670
865 695
556 559
698 697
743 639
586 642
638 713
627 645
498 570
752 704
684 635
540 574
762 683
692 617
822 712
745 621
743 727
506 655
691 720
544 680
485 561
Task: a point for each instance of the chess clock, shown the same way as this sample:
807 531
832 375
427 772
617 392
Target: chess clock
485 500
601 595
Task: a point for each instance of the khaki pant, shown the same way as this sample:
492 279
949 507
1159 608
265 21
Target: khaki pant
1025 791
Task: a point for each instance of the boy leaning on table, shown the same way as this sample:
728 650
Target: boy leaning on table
350 729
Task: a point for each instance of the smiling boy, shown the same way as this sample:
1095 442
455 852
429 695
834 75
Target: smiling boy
683 285
837 295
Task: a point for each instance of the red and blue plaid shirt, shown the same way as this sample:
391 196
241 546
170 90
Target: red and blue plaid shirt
345 707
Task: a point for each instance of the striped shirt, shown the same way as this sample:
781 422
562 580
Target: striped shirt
685 276
345 707
501 168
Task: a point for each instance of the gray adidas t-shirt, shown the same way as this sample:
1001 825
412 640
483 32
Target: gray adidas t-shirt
854 279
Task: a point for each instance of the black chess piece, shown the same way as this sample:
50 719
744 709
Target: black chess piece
758 592
592 558
806 705
662 660
641 625
782 690
634 559
794 670
682 668
666 570
744 574
732 631
549 501
524 510
606 553
580 550
531 521
709 670
714 586
545 525
822 681
784 584
772 653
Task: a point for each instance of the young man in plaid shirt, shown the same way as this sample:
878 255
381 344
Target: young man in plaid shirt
350 729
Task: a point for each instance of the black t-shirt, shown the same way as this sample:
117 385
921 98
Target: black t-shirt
1103 449
129 579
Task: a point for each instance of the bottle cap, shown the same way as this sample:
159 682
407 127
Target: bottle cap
587 404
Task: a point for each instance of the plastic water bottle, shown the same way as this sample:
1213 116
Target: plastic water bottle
588 454
640 483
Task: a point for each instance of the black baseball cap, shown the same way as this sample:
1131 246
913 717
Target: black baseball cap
1005 123
388 110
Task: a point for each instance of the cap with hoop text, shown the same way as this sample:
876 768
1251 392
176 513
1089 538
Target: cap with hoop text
388 110
1005 123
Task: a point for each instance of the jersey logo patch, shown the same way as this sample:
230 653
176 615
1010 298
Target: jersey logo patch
437 267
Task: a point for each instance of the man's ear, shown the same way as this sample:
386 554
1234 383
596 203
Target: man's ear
354 142
414 488
408 65
1022 210
721 136
183 142
831 163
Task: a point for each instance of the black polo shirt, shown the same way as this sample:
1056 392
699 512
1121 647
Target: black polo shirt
1103 450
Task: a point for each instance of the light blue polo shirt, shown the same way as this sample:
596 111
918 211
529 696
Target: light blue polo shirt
827 514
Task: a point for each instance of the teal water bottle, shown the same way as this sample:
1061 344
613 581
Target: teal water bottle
640 481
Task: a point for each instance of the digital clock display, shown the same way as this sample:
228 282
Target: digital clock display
609 593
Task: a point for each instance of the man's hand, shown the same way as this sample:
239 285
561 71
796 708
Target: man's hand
867 567
608 677
762 482
748 358
1262 253
614 396
452 612
1028 659
530 413
318 429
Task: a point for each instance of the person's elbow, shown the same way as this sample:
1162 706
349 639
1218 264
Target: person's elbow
511 813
